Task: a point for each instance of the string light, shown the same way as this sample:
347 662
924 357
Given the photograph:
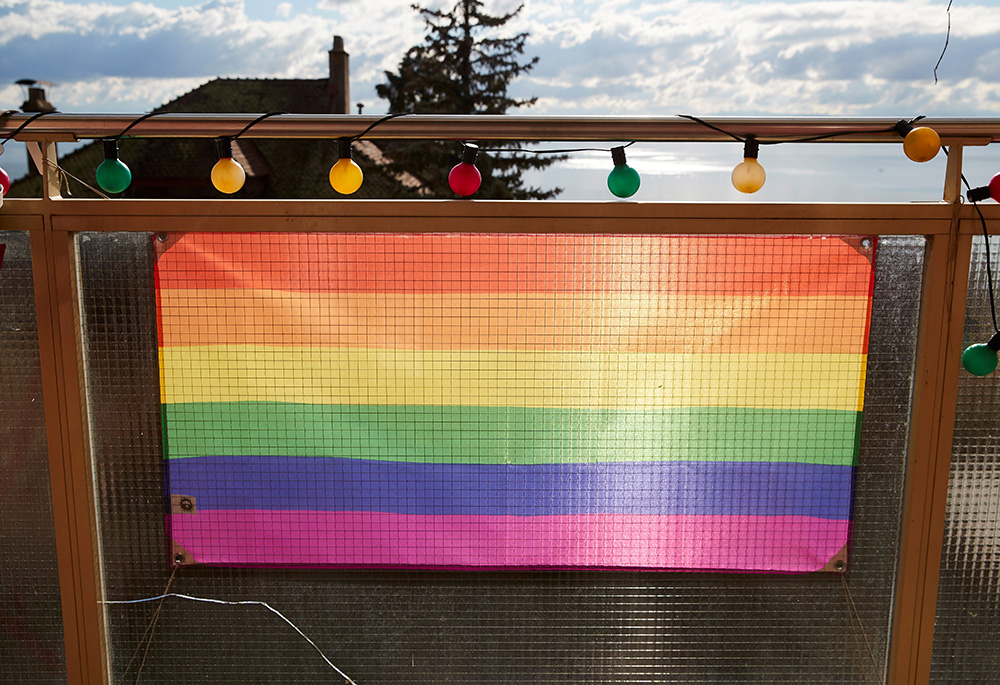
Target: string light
346 176
4 179
921 144
992 189
620 176
464 178
112 174
981 359
227 174
623 181
748 176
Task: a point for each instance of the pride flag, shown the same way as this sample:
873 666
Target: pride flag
512 401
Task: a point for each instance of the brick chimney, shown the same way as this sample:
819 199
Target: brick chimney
339 85
35 102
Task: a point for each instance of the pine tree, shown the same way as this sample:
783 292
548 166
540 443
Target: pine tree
462 68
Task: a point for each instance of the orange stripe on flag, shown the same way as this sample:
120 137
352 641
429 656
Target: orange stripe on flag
481 263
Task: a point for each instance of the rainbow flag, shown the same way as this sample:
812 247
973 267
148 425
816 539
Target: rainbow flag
512 401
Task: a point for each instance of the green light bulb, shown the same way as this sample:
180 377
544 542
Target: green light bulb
981 359
623 181
112 175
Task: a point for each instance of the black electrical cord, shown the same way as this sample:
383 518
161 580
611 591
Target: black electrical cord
22 126
137 121
505 149
381 121
986 245
552 152
257 121
808 139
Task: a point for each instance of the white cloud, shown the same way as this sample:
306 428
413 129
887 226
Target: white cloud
834 57
837 57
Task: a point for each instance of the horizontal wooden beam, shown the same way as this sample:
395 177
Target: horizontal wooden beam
932 218
495 127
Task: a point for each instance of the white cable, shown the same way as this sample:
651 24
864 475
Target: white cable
267 606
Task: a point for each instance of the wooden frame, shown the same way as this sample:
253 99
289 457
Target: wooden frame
53 223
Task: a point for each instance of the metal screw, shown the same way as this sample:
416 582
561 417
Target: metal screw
162 237
186 504
866 243
179 558
839 566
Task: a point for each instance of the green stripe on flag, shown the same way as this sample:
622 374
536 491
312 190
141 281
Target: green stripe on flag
515 435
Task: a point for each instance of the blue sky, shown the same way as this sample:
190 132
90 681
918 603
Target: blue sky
617 57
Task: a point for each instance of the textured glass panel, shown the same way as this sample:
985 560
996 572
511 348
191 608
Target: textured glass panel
968 611
482 627
31 636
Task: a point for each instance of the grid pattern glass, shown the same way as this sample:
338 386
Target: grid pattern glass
31 635
968 609
485 626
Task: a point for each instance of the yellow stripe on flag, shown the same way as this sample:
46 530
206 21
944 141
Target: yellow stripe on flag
612 380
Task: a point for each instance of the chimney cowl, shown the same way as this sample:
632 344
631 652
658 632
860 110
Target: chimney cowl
36 100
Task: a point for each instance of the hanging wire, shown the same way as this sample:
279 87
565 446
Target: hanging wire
267 606
147 635
986 245
552 152
137 121
63 174
257 121
484 149
857 616
381 121
807 139
947 38
712 126
22 126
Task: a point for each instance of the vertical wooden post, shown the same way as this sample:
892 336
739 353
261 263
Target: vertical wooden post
932 427
53 262
953 175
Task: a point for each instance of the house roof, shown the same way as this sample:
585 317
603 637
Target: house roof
170 167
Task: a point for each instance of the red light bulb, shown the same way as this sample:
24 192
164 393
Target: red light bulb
464 177
991 189
994 186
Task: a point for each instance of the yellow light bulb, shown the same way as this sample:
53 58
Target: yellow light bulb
346 176
748 176
921 144
228 175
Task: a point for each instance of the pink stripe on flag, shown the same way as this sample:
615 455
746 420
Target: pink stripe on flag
352 539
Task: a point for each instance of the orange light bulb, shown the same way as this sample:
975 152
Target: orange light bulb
346 176
921 144
227 174
749 176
